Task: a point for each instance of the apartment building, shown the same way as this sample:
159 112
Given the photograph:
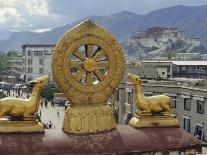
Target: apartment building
37 61
189 103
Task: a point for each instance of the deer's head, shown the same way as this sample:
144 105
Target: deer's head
40 82
134 79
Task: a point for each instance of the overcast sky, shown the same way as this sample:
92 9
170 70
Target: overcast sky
46 14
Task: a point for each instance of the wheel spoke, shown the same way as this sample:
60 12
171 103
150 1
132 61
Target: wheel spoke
89 50
89 78
79 74
103 64
99 75
99 54
76 64
79 55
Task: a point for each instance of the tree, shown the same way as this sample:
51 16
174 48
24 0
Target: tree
48 91
2 95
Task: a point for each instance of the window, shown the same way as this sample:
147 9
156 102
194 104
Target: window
117 94
186 124
173 98
200 107
29 53
187 104
148 93
41 70
29 61
38 53
130 98
29 70
198 132
29 79
41 61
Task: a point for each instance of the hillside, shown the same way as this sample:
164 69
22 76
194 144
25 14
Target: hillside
192 20
161 40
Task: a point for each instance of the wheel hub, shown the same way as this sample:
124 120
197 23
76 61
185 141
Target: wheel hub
89 65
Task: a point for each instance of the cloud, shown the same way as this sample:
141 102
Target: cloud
41 30
38 14
24 12
37 7
9 16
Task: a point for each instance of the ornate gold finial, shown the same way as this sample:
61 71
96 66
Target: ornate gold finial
88 65
23 109
153 111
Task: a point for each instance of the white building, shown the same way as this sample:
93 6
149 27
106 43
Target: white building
187 56
37 61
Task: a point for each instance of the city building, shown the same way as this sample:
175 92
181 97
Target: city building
189 102
162 38
37 61
15 69
168 69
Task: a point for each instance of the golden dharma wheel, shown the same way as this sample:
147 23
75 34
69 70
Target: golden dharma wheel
88 64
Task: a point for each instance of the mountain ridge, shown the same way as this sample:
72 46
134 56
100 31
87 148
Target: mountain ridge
191 19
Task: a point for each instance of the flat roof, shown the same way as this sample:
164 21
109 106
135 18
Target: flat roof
124 139
37 45
190 63
181 63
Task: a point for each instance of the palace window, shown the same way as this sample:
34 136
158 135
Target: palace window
29 70
173 98
200 107
130 97
148 93
41 70
117 94
129 100
186 123
41 61
29 61
29 79
198 131
187 104
38 53
29 53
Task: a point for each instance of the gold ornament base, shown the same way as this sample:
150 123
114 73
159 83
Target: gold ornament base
31 126
146 121
88 119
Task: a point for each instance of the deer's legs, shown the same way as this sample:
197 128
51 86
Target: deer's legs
5 110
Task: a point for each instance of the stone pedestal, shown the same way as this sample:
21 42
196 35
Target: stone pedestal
30 126
88 119
146 121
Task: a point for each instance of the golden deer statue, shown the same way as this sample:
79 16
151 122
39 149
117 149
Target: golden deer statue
153 104
24 107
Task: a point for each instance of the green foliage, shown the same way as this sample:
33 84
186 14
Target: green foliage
4 57
48 91
3 60
12 54
2 95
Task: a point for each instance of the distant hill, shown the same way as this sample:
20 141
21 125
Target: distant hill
191 19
